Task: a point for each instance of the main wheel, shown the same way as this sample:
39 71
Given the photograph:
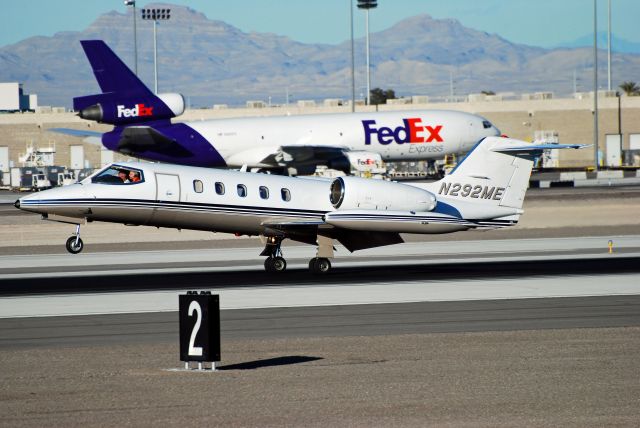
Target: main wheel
320 265
312 263
279 264
74 245
275 264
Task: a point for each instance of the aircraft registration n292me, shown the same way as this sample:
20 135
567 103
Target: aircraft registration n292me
287 144
485 191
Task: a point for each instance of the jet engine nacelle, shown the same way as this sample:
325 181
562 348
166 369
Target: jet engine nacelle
174 101
349 193
116 110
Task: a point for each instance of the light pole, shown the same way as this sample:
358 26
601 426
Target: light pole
156 15
366 5
595 82
135 34
353 63
618 95
609 49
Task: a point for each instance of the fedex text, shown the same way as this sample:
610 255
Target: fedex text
138 110
412 131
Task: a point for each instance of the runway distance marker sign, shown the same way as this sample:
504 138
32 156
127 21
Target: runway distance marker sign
199 327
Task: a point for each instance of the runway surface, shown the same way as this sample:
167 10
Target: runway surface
463 364
333 321
473 270
541 329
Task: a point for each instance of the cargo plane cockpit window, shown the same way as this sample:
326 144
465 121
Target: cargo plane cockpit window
486 124
119 175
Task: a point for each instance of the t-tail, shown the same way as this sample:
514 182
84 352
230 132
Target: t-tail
491 181
141 119
124 99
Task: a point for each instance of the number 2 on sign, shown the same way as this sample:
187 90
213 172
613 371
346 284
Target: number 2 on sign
195 351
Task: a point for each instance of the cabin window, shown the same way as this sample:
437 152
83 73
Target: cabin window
286 194
219 188
198 187
264 192
242 190
116 174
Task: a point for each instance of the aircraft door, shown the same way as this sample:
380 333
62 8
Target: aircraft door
167 188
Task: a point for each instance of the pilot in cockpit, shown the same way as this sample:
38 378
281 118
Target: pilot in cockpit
122 174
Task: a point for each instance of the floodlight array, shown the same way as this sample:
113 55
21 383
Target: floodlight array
156 14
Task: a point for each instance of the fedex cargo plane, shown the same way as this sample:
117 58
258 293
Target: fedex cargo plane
143 128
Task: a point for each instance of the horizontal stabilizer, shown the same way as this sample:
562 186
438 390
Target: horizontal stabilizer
76 132
533 148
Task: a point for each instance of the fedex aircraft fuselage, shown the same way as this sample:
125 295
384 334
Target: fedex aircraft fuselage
143 128
396 136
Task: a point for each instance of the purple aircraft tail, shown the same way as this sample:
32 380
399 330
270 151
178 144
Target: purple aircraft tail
141 118
111 73
124 100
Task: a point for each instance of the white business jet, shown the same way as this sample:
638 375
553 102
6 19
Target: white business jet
485 191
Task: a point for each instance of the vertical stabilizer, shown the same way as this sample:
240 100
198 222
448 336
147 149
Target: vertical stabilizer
111 73
495 173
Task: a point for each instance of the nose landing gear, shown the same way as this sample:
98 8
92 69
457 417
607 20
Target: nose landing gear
274 262
74 243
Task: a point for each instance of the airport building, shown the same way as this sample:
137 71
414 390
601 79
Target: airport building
13 98
531 117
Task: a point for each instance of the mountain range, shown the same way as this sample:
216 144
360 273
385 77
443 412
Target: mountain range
212 62
617 44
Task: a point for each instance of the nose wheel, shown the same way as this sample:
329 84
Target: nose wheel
274 261
275 264
74 243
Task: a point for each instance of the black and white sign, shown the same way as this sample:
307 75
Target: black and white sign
199 327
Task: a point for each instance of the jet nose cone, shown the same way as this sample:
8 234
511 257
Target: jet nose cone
17 204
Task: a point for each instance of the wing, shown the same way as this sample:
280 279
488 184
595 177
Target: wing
307 231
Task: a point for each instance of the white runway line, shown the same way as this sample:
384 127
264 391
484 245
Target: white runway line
343 262
423 249
322 295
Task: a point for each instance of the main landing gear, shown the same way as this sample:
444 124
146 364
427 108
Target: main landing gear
74 243
317 265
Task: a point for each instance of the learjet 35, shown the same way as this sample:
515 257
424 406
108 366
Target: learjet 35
485 191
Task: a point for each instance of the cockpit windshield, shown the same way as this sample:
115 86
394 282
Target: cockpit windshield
116 174
486 124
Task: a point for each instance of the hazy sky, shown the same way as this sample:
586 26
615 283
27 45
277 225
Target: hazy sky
536 22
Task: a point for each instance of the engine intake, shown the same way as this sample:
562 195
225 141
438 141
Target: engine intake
349 193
